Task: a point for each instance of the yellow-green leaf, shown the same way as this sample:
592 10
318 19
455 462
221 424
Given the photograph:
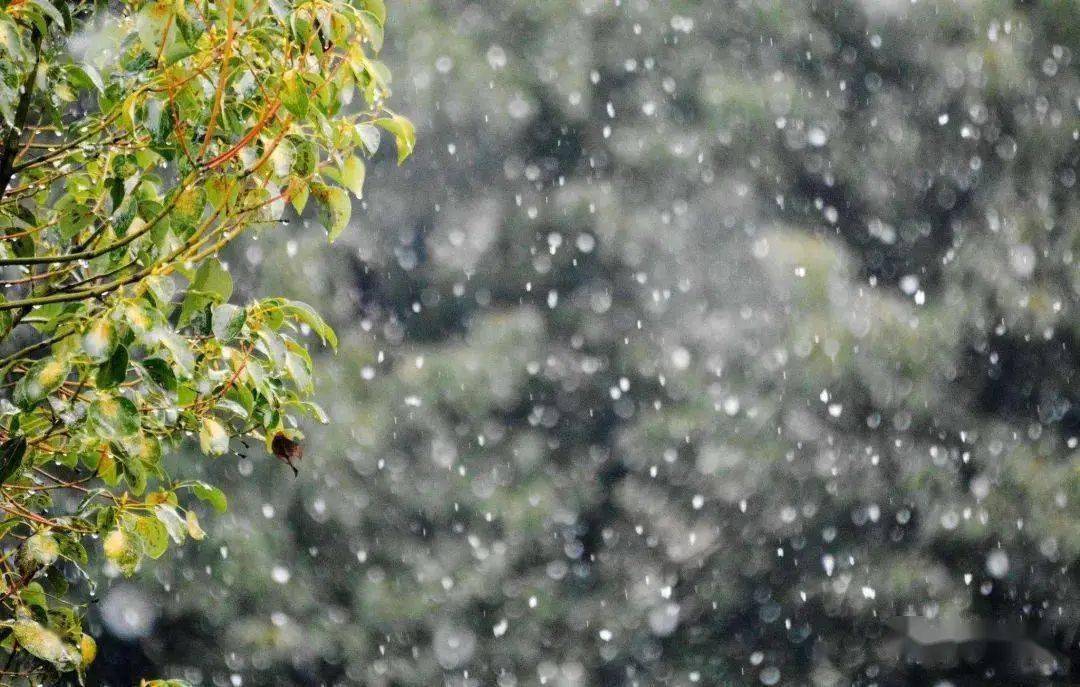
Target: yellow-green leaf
42 549
352 175
98 340
377 8
122 551
404 134
41 642
213 439
43 378
115 417
174 524
87 649
298 194
153 535
373 28
335 209
193 527
152 22
294 93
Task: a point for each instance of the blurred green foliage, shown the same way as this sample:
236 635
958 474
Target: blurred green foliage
717 333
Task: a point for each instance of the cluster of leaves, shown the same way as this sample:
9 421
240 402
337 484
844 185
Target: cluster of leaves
139 139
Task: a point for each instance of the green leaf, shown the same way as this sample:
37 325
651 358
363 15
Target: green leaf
227 321
211 284
299 371
122 550
185 395
377 8
115 417
212 495
274 346
369 137
44 377
99 339
181 351
242 396
112 372
298 194
73 550
153 536
174 524
404 134
106 469
41 549
152 22
314 410
200 321
305 157
73 219
11 457
373 28
352 175
188 211
51 12
335 209
124 218
220 191
135 472
161 373
213 279
294 93
86 76
41 642
306 314
33 595
176 51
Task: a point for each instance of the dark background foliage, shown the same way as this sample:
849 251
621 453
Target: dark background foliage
697 339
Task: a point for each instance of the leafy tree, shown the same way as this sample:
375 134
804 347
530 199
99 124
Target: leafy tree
138 140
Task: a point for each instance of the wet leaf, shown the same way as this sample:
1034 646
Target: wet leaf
404 134
41 642
160 373
41 550
153 536
87 649
11 457
294 93
212 284
352 175
115 417
335 209
193 527
174 524
43 378
122 550
212 495
213 439
227 321
112 372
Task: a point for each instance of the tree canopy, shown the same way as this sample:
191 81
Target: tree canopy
138 140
